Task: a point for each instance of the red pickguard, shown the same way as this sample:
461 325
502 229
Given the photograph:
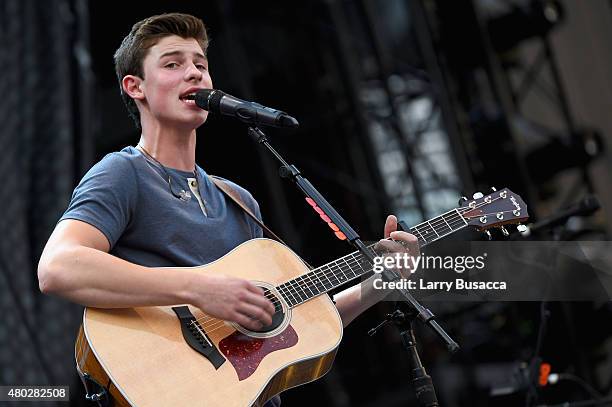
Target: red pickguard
245 353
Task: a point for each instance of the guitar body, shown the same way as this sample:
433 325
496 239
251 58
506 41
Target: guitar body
142 358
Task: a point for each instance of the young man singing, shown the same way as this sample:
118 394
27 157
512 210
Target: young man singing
142 213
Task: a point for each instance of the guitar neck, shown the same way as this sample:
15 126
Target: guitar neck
334 274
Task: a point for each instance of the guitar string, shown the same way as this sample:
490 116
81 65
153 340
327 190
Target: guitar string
310 277
320 272
455 219
333 276
326 275
212 327
493 213
316 276
214 324
284 292
217 323
458 219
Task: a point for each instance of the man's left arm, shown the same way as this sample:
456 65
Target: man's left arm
358 298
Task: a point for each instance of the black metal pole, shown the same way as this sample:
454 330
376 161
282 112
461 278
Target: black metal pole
421 381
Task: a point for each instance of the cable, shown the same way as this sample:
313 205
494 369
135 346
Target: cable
554 378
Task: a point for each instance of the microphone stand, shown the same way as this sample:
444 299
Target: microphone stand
402 318
345 232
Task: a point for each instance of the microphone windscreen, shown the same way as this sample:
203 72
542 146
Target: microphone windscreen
214 101
202 98
209 99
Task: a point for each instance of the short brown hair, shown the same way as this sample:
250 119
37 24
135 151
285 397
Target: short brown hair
130 55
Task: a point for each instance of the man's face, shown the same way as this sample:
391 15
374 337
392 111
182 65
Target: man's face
173 68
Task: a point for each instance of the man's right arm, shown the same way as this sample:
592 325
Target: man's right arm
76 265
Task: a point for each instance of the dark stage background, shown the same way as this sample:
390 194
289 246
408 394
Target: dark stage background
404 105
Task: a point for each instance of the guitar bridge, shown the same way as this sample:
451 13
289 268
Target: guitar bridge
196 337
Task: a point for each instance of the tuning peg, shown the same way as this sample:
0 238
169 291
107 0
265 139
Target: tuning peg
488 233
504 231
478 195
493 189
462 200
523 230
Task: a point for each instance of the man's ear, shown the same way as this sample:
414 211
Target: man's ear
132 86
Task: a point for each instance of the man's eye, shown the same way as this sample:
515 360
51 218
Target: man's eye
171 65
202 67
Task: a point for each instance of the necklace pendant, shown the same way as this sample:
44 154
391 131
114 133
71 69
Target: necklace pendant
185 195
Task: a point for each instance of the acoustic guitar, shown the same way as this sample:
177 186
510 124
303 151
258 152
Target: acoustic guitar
179 356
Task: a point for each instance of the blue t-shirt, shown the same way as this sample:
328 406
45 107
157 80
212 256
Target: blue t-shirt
127 197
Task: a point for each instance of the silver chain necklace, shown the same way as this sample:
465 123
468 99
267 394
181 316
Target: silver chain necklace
183 195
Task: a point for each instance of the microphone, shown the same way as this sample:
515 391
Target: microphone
253 113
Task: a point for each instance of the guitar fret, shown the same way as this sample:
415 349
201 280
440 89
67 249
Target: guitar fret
324 280
331 285
424 233
447 224
344 278
363 265
303 284
348 269
314 278
298 288
294 295
307 283
432 228
330 272
355 271
415 232
451 218
283 292
351 269
442 225
462 218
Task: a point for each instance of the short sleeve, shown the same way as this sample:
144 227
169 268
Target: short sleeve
106 197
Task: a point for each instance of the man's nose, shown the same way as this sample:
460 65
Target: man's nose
193 73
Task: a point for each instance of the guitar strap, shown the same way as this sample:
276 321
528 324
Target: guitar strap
232 194
235 197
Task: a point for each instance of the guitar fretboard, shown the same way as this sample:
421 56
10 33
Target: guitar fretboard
336 273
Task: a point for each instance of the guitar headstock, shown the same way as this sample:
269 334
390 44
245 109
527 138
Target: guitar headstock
495 209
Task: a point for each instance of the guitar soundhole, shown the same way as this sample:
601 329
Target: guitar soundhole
279 314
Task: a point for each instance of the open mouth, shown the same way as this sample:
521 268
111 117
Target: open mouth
188 98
